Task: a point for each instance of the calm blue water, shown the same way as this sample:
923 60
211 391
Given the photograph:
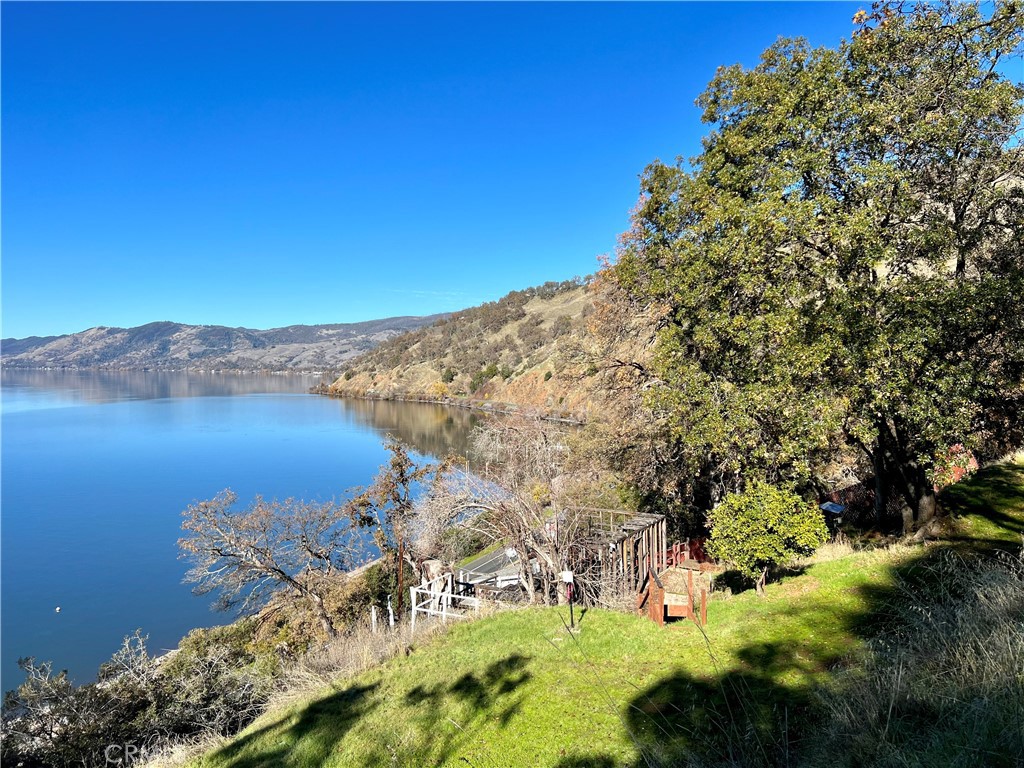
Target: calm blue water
97 467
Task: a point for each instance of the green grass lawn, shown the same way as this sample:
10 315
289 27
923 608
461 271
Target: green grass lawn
518 689
988 510
486 551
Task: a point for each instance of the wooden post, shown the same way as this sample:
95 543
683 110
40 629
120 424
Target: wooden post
661 544
412 604
703 607
659 605
373 618
689 594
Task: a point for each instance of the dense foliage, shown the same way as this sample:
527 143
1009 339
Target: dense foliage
841 268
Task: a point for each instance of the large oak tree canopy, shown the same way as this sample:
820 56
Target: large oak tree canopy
841 267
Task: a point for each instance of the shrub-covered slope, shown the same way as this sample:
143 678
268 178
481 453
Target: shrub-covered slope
166 345
519 351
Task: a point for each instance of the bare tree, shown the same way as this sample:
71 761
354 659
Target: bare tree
245 556
518 495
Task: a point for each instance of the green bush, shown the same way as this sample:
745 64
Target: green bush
381 582
764 527
482 376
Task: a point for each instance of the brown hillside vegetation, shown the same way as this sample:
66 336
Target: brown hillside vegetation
521 352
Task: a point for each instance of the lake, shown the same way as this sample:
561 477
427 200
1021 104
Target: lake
97 467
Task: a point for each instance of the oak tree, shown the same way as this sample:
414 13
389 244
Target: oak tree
243 556
841 267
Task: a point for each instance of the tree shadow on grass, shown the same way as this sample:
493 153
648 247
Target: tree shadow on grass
319 727
991 503
488 694
766 708
317 731
736 583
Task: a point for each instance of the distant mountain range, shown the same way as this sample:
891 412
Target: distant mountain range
166 345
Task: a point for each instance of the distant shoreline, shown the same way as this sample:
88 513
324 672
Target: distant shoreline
484 406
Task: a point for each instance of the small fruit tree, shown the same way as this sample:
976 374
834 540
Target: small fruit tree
762 527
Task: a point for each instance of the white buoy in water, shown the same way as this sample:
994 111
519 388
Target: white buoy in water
57 610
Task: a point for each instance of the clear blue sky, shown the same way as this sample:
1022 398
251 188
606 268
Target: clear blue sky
267 164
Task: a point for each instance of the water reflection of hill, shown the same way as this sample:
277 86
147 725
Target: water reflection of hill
431 430
112 386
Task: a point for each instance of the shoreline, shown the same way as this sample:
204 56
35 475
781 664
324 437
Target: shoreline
483 406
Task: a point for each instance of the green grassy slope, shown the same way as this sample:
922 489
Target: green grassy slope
988 510
518 689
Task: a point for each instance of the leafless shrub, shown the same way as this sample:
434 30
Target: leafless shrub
357 650
519 497
615 594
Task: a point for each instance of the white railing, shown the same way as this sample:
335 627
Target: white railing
440 603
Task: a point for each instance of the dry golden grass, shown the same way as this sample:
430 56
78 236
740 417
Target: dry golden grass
541 378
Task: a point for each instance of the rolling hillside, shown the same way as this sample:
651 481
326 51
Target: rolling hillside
520 352
167 345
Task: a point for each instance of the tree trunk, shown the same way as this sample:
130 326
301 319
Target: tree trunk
914 486
926 499
907 513
401 571
926 506
879 462
321 612
526 580
561 594
526 572
919 507
759 584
